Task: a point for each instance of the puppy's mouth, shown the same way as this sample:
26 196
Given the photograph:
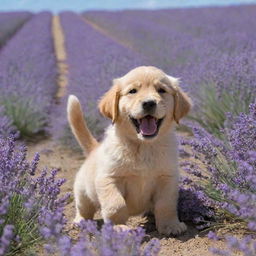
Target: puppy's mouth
148 126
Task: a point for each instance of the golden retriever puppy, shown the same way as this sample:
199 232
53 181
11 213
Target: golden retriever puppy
135 168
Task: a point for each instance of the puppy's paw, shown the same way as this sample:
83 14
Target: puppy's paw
173 227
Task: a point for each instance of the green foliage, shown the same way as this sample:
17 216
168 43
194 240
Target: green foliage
211 114
25 222
24 115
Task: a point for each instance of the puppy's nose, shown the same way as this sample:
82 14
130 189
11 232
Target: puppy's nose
149 105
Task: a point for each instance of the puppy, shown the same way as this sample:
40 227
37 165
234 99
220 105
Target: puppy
135 168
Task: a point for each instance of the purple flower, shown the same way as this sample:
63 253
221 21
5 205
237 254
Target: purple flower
6 239
34 164
213 236
93 241
6 126
245 245
27 203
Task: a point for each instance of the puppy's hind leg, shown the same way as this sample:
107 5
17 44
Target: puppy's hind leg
85 208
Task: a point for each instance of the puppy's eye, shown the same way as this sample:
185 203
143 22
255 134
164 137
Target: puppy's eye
161 90
132 91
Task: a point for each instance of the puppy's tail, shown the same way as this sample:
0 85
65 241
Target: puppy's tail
78 125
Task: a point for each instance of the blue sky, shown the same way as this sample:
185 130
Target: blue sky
80 5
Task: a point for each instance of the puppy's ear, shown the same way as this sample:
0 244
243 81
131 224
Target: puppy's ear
108 104
182 103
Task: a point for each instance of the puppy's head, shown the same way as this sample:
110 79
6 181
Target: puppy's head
145 102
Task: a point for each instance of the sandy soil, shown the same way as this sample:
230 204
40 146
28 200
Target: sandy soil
55 156
61 56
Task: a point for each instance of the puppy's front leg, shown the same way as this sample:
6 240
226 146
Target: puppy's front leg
165 207
110 193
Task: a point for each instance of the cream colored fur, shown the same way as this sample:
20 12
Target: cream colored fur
127 174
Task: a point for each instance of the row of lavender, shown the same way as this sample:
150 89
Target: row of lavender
27 77
93 61
175 38
213 51
27 89
10 23
226 174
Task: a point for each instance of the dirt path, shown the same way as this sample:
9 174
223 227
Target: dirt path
68 161
107 34
61 56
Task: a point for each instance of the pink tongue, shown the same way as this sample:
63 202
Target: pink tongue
148 126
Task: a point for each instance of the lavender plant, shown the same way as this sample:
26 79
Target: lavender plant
27 76
227 168
228 88
10 23
24 198
244 246
103 242
193 206
93 60
6 127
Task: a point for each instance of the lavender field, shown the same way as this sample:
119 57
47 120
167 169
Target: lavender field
212 51
10 23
